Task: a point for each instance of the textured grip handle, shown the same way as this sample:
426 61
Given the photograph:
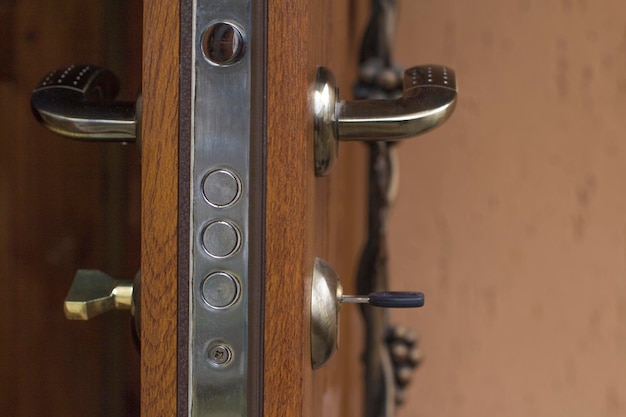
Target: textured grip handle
428 99
91 82
427 76
77 102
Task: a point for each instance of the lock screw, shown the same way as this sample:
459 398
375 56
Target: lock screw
220 355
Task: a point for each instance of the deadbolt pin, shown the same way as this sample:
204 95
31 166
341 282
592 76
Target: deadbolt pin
388 299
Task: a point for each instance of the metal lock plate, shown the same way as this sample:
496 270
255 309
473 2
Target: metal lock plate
225 174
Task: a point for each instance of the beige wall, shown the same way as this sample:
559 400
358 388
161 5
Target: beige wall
512 217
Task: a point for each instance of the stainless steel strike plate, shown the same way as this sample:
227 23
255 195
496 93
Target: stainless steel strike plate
224 149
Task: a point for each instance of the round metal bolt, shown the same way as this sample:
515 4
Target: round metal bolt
220 290
221 239
221 188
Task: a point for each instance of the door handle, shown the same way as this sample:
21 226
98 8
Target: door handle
428 99
78 102
93 293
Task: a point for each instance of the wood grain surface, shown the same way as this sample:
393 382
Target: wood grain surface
159 207
289 215
299 222
308 217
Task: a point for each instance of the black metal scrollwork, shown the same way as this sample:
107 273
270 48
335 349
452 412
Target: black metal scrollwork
392 352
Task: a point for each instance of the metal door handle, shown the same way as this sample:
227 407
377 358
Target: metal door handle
93 293
428 99
77 102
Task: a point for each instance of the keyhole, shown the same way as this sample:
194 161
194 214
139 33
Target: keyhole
223 44
220 355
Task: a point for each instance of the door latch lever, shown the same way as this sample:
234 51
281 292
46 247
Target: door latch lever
428 99
78 102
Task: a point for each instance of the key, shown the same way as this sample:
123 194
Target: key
387 299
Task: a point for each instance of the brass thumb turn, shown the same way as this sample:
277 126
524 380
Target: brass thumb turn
93 292
77 102
428 99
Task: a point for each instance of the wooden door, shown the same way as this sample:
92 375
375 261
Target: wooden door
304 216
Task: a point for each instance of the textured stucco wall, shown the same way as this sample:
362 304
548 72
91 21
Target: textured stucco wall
512 217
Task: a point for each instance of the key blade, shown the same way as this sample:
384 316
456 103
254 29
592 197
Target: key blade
355 299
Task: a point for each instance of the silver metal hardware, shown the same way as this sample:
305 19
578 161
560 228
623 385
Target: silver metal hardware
428 99
223 43
221 188
326 299
325 295
221 239
219 203
355 299
220 355
220 290
76 102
